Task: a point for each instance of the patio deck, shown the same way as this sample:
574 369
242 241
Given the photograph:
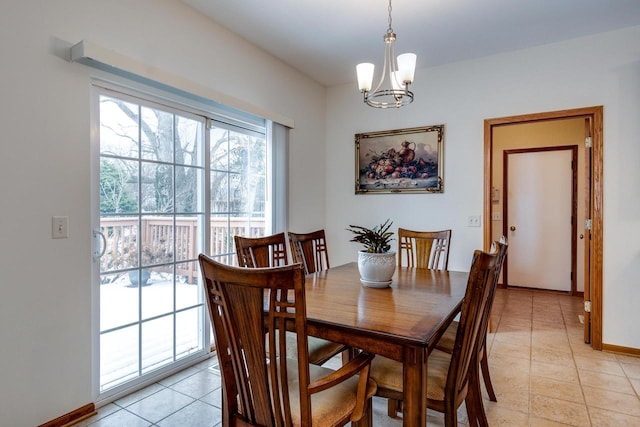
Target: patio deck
120 305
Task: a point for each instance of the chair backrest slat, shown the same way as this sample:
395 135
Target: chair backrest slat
424 249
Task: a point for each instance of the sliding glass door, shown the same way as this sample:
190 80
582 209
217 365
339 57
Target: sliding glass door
173 182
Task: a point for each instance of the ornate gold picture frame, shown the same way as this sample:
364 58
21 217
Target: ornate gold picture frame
400 161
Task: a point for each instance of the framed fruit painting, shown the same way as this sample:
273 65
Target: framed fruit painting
400 161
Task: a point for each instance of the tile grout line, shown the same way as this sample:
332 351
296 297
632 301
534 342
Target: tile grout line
575 365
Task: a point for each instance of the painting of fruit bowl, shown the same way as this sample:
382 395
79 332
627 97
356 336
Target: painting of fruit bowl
401 160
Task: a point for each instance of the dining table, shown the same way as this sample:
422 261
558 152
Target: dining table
402 321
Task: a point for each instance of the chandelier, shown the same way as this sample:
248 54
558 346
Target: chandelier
394 92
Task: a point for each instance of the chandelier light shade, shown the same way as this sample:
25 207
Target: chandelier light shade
392 90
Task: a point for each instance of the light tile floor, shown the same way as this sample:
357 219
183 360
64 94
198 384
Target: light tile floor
543 374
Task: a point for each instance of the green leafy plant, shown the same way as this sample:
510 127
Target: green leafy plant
376 239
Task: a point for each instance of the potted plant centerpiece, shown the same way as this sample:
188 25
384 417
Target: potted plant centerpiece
376 263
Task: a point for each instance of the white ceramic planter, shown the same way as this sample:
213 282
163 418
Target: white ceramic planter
376 270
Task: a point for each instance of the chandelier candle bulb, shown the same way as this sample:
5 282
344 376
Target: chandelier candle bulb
365 76
407 67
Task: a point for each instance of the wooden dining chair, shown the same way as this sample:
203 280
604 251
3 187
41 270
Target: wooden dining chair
310 249
447 341
451 378
271 251
267 251
260 387
424 249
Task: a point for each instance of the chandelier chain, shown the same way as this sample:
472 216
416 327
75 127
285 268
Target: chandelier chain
390 30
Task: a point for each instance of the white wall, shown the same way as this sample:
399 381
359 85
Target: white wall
598 70
45 284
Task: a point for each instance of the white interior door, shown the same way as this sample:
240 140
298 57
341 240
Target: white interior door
539 186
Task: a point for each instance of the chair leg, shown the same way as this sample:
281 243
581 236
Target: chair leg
451 417
484 366
472 419
475 407
393 407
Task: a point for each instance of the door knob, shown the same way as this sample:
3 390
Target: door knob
582 236
512 228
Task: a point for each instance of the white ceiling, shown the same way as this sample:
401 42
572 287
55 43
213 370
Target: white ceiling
325 39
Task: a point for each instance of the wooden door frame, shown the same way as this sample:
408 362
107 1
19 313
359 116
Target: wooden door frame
574 203
595 114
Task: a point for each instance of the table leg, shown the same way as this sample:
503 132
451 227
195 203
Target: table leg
414 409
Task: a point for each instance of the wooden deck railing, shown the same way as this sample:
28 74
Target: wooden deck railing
158 237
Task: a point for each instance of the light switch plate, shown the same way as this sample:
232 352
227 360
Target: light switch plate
60 227
473 221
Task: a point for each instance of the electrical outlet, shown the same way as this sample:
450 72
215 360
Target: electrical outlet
473 221
60 227
496 216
